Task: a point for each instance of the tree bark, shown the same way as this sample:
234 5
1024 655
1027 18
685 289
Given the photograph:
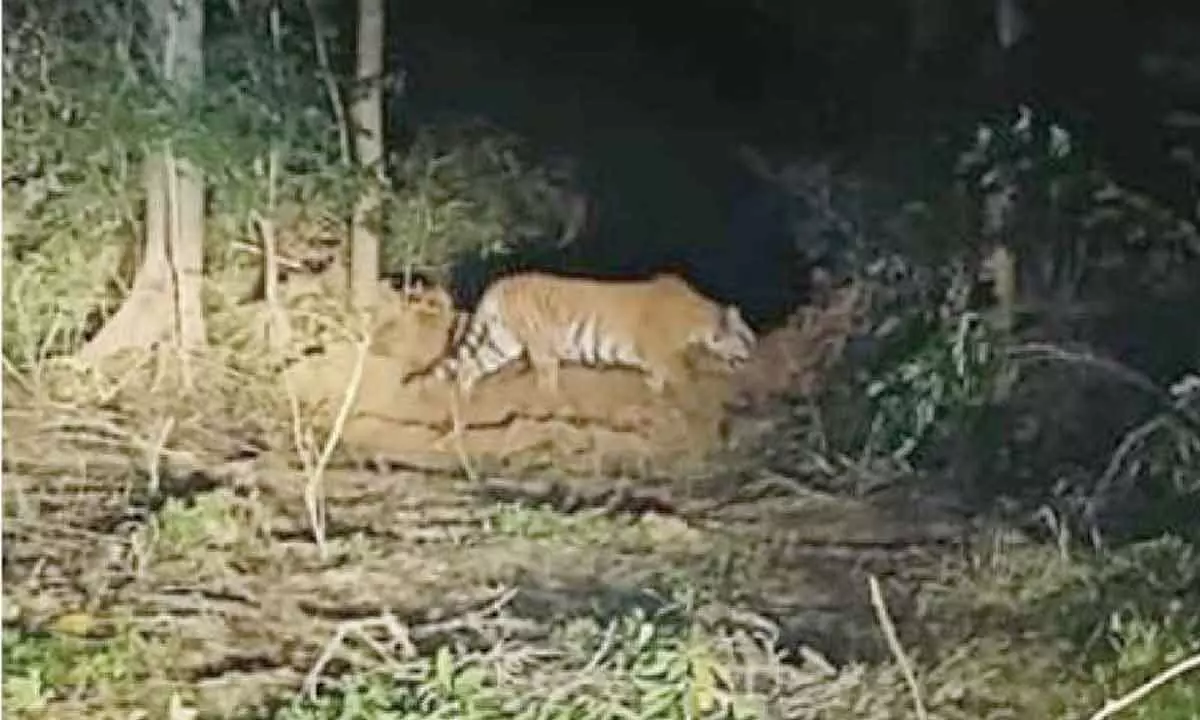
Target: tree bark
367 114
142 319
187 236
165 299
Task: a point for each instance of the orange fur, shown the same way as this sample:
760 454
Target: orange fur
549 319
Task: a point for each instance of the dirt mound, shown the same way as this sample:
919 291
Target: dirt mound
600 418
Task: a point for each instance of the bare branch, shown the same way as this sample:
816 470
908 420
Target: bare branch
1112 707
331 87
893 641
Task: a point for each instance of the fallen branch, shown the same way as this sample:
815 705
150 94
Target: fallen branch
1176 408
400 636
893 641
1112 707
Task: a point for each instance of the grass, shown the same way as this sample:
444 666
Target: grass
1010 628
58 673
218 599
687 660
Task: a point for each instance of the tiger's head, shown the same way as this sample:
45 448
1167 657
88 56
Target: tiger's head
730 338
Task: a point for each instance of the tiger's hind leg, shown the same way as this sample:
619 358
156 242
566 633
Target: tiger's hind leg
470 374
486 353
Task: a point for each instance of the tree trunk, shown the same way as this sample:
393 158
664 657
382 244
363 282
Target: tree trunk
367 115
165 299
144 317
186 75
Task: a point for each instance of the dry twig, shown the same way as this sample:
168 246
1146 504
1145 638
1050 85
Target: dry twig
1112 707
314 468
401 636
1175 408
460 448
331 87
893 641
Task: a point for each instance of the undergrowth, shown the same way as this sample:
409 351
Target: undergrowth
692 659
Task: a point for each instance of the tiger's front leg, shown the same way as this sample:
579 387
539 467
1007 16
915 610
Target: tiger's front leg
661 372
545 366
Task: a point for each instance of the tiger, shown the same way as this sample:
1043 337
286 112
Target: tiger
549 319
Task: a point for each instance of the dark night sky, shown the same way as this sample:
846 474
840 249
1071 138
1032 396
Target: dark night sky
653 105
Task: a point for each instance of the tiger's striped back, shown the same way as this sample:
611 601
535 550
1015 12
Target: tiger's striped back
551 319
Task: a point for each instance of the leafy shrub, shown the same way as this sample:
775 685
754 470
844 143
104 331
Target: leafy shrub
470 189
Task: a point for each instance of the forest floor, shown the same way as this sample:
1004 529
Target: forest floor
754 580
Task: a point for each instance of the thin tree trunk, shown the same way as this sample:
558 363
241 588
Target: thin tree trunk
1001 264
367 114
187 237
165 300
142 320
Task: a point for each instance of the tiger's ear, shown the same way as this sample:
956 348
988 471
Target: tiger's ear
733 320
732 317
